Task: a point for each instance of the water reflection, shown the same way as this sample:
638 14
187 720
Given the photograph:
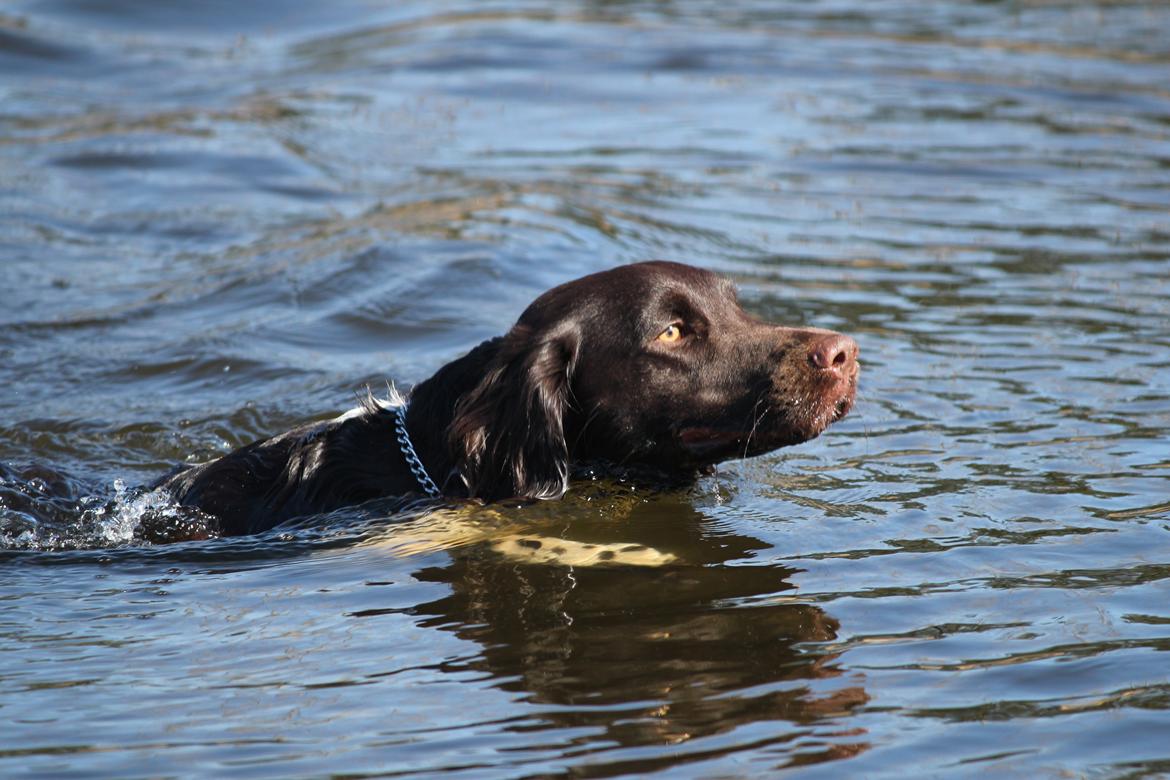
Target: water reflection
645 656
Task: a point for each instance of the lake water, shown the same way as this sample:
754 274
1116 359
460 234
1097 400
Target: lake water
220 219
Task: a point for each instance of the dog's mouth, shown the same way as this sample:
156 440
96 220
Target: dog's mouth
777 424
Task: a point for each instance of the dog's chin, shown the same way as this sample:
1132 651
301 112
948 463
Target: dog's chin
781 427
705 445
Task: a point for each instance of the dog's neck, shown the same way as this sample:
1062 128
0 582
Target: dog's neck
432 407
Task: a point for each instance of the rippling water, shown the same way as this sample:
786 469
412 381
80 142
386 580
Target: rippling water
220 219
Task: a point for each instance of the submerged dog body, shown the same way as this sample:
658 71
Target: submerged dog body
652 365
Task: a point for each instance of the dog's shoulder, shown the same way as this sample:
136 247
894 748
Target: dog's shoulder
312 467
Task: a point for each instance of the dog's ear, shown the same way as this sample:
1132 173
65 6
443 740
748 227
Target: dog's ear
508 433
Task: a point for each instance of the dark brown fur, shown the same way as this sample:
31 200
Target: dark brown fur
582 378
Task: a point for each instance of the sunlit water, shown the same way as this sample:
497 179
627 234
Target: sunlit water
218 220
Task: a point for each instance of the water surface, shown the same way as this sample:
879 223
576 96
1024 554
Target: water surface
218 220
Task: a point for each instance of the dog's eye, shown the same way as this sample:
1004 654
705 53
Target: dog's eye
672 334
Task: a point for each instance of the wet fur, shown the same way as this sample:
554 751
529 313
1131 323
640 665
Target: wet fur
580 379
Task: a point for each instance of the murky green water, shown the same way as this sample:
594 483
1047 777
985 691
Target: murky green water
220 219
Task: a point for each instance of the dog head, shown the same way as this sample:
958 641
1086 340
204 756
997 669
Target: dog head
651 365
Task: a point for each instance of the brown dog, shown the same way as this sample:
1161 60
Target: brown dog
652 365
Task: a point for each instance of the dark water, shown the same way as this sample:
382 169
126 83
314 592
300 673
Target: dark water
219 219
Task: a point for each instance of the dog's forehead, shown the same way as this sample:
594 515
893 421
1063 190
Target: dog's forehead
659 274
631 290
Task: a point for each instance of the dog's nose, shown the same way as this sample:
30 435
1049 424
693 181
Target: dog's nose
833 352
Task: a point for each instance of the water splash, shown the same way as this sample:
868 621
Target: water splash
114 522
45 510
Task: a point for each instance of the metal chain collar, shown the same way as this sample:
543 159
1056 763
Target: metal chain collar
416 465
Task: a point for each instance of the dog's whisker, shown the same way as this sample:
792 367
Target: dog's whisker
755 426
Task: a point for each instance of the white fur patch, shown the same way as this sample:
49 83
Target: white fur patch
394 399
357 411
